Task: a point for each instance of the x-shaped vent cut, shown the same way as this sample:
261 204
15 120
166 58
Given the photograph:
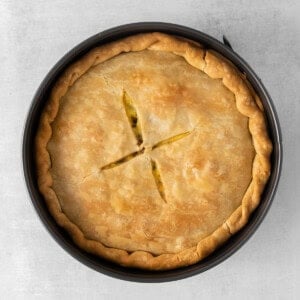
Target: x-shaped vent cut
136 128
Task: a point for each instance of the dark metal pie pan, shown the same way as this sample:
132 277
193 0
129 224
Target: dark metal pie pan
106 267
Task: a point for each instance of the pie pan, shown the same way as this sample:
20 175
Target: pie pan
106 267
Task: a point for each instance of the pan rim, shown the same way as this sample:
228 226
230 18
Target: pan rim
108 268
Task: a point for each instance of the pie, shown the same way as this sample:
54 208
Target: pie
152 151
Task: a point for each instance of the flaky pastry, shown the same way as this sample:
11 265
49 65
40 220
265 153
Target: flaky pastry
152 151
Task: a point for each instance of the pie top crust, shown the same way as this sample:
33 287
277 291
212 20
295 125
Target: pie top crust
152 151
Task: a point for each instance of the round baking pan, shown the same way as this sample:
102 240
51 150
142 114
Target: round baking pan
109 268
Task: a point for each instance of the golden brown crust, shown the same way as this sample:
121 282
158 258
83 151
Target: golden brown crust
215 66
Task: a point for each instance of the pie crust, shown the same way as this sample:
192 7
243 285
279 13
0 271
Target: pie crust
152 151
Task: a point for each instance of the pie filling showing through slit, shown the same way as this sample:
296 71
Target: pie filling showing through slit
134 123
152 151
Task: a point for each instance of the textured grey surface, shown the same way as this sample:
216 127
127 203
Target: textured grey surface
35 34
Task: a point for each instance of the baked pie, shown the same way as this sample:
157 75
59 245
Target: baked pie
152 151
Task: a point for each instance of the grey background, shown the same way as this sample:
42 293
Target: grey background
35 34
